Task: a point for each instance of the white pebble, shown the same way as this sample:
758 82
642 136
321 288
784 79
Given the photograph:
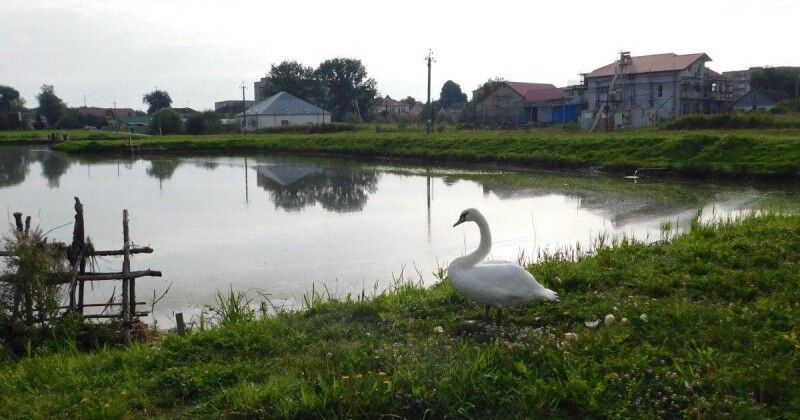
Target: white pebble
643 317
438 329
571 336
609 320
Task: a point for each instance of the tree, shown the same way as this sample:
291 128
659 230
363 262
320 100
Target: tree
166 121
451 94
203 123
487 86
10 104
344 83
51 107
410 101
294 78
780 79
156 100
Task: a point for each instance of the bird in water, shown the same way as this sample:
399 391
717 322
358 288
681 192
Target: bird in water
492 283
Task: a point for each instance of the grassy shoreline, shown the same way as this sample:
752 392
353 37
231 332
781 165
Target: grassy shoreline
733 153
711 332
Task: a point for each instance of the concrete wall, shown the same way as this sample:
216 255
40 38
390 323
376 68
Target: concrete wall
267 121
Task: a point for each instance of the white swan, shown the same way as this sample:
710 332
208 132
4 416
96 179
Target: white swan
492 283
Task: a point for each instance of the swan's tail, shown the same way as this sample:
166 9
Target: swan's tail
548 294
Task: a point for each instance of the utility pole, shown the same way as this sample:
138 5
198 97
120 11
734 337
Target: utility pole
244 109
429 123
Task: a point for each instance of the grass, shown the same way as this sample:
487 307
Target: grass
712 331
40 136
746 152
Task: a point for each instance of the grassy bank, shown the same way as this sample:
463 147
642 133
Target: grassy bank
711 332
40 136
701 152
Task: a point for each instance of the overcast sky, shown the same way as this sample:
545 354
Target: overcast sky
201 51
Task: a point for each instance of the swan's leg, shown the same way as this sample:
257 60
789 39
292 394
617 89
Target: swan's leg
486 314
499 316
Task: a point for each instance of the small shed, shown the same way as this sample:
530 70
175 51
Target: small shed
283 109
759 99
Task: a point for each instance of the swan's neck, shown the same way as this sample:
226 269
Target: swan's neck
484 247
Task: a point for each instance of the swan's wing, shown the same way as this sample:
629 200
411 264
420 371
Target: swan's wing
505 283
492 262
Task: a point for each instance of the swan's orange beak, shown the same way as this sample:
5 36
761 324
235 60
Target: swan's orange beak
461 220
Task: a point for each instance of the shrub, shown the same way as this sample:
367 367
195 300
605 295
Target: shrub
728 121
207 122
166 121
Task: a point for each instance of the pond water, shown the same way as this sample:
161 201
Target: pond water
276 224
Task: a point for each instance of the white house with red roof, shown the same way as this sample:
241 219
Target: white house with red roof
643 90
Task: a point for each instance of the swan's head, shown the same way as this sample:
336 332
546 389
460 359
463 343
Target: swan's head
468 215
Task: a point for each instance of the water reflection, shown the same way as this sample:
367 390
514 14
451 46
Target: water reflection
293 186
348 224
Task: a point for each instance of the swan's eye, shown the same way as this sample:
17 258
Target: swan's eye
464 214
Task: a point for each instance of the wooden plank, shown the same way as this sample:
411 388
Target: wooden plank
120 275
120 252
101 305
108 316
181 326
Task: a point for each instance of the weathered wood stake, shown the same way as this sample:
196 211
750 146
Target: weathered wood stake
126 269
181 326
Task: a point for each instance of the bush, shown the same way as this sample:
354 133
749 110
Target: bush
310 128
206 122
166 121
727 121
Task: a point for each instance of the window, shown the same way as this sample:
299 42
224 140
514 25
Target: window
660 90
284 122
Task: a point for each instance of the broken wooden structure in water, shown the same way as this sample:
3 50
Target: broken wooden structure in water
78 253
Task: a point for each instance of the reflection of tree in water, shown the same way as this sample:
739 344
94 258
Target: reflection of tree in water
13 166
53 167
295 186
163 168
207 164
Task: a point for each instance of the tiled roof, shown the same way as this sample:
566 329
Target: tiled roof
546 94
652 63
523 87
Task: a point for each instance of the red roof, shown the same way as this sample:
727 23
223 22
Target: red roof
522 87
98 112
545 94
716 76
652 63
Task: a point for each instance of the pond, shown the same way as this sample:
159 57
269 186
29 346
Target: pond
281 226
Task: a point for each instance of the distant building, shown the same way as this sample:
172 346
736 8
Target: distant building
184 112
520 104
507 103
759 99
283 109
111 117
231 107
641 91
740 81
388 106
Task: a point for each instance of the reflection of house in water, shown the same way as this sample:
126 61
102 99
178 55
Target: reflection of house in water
293 186
622 208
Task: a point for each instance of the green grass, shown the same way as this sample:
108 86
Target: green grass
40 136
767 153
719 339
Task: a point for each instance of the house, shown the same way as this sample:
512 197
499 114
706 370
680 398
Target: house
184 112
507 103
740 81
759 99
232 107
388 106
283 109
641 91
112 117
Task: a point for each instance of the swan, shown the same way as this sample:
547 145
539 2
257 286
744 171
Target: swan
492 283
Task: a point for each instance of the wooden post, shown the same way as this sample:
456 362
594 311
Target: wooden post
27 225
76 251
18 220
181 326
126 269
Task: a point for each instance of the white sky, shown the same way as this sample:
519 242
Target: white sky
200 51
